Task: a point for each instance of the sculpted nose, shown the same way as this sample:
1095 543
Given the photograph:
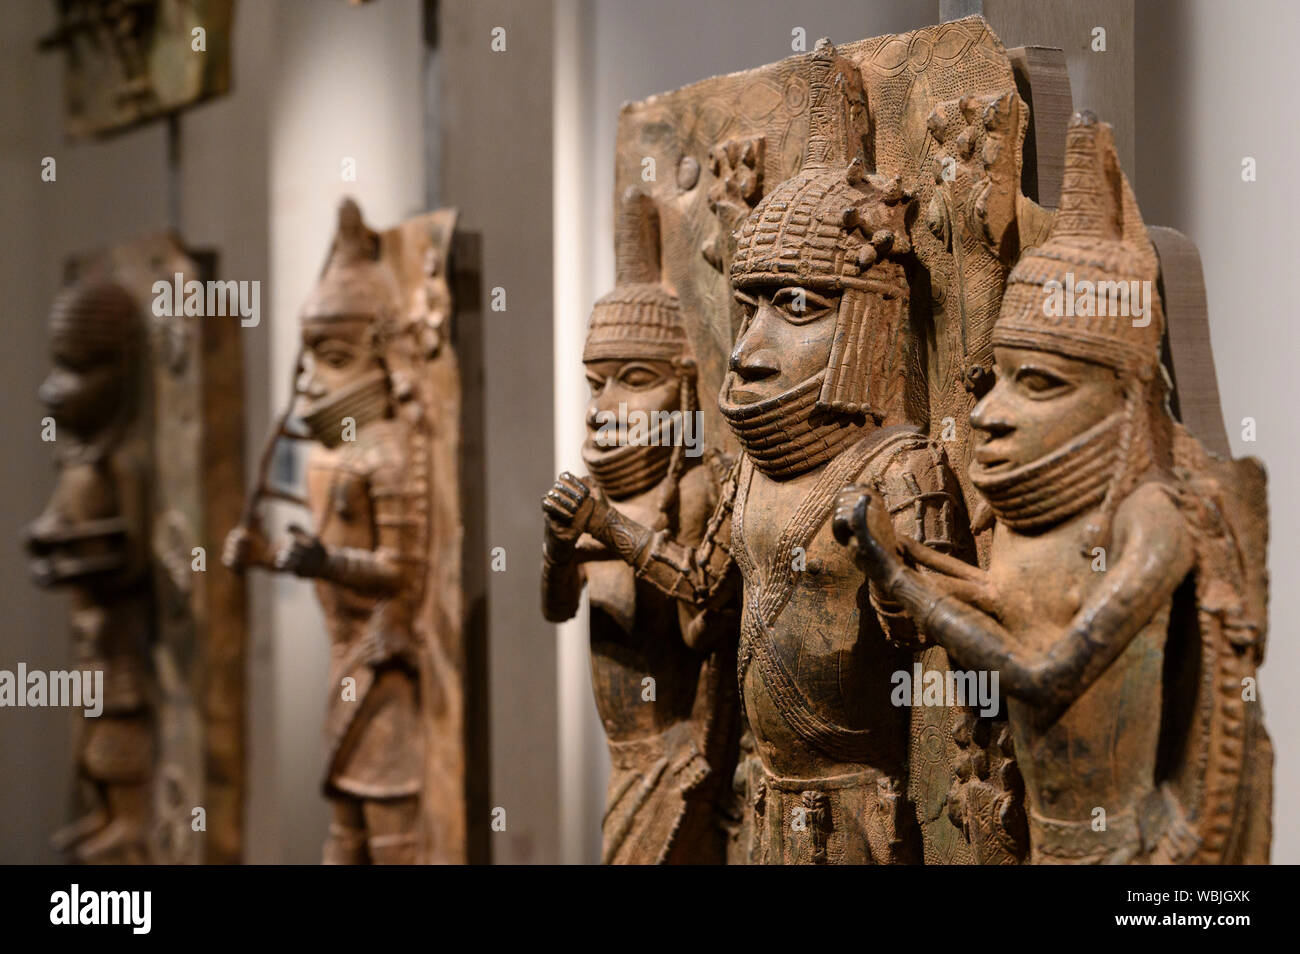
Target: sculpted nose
602 401
754 356
988 415
753 363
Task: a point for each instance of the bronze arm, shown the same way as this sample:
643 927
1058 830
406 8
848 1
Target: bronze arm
1153 561
562 577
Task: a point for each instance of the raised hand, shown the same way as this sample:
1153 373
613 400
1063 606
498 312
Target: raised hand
569 506
244 547
303 554
737 167
861 522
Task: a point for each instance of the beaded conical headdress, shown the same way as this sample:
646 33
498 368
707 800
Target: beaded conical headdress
97 319
355 284
832 227
1098 248
640 318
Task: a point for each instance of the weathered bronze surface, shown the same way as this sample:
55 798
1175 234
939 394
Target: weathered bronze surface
1124 603
838 231
130 61
378 399
148 417
661 668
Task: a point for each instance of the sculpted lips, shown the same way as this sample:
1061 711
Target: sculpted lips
737 395
991 456
599 442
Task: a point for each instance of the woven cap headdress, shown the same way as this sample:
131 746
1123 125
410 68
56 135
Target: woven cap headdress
640 318
1098 239
827 226
1097 246
834 228
95 319
355 284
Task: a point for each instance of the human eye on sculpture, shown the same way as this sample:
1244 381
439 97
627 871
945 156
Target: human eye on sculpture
1041 383
801 306
640 375
335 354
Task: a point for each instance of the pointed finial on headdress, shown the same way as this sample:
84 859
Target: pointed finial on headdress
636 247
353 240
354 282
1089 193
1096 199
836 110
1097 241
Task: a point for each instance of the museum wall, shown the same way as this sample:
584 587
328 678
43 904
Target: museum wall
1214 84
496 165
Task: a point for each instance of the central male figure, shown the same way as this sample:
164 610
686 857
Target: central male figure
818 394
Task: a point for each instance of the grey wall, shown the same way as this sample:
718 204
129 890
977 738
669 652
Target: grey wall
1100 80
1215 83
496 169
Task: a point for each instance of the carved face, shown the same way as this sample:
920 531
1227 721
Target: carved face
82 391
1040 401
339 354
785 340
642 387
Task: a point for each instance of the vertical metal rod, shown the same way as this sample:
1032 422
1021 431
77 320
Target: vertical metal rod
174 173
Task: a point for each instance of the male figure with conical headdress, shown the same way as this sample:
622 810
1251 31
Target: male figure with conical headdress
1123 606
818 393
367 551
660 666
